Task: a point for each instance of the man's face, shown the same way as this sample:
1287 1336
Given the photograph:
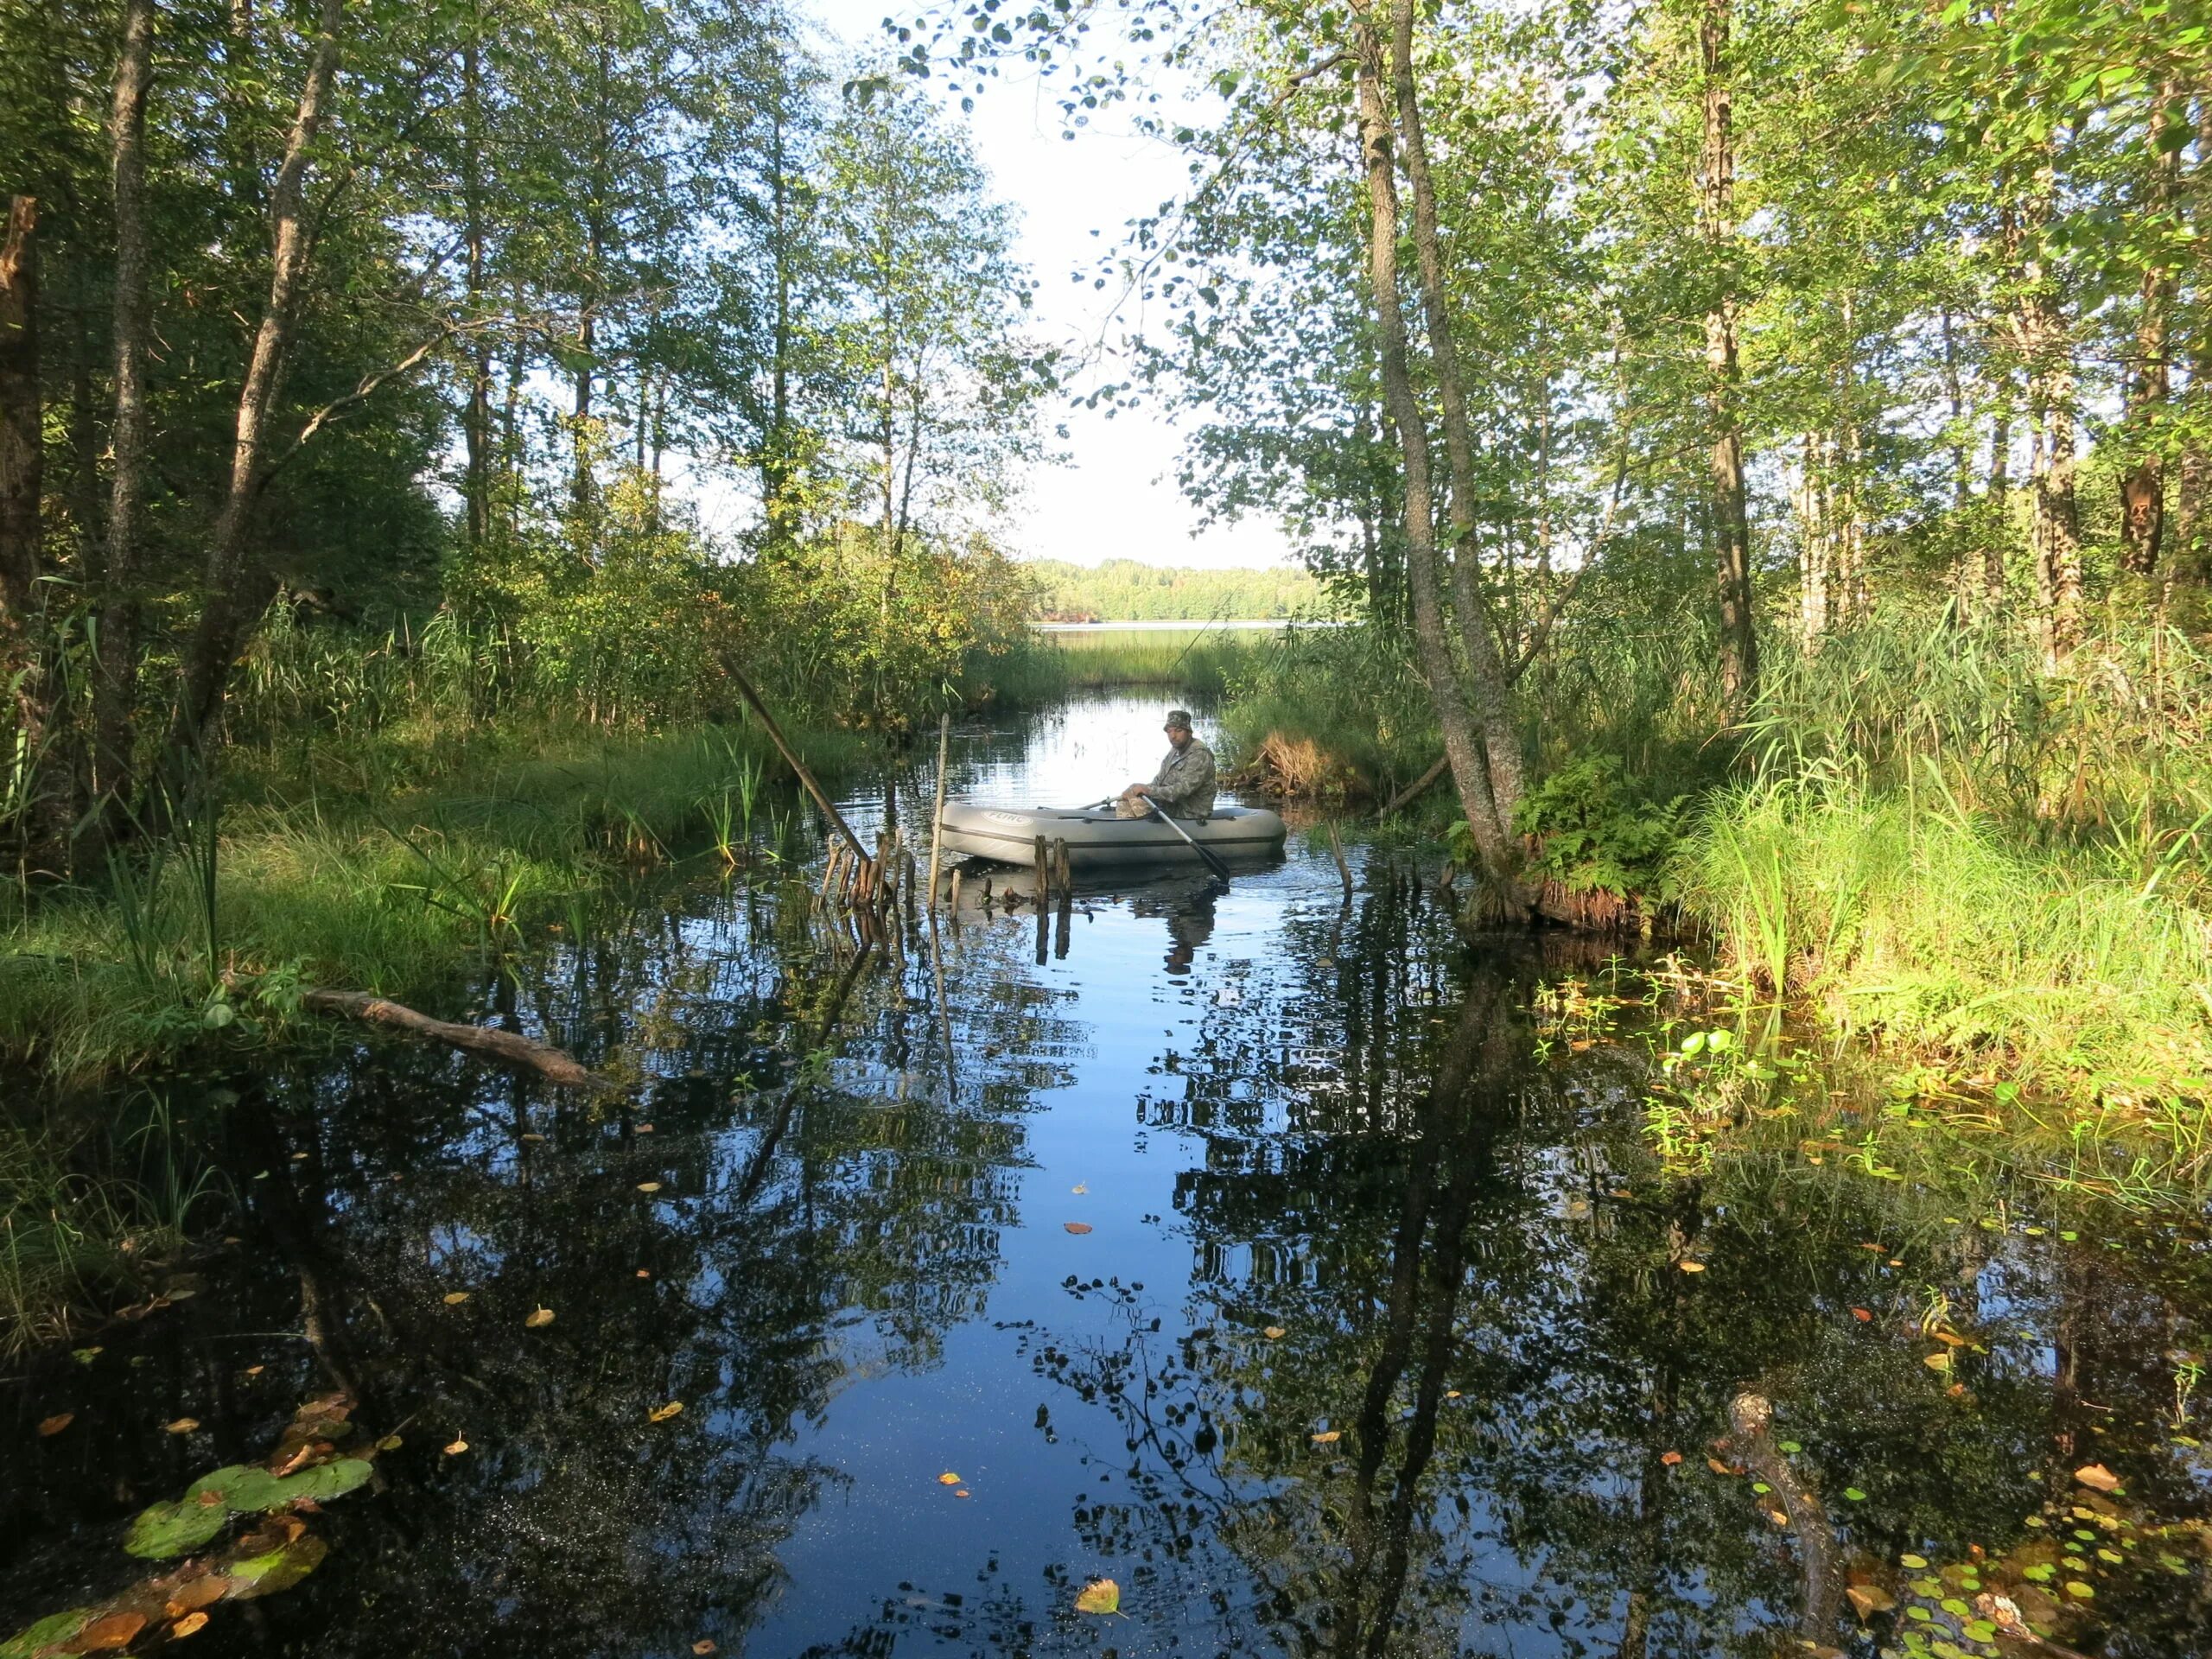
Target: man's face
1179 736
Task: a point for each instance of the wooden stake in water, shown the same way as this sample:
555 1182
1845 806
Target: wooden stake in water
1336 851
936 813
791 759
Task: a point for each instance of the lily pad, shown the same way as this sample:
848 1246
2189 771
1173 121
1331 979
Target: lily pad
44 1634
279 1569
246 1488
168 1530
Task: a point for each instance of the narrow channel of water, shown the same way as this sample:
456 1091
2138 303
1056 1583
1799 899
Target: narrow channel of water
1251 1250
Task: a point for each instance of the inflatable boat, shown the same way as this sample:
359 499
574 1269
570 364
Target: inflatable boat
1095 837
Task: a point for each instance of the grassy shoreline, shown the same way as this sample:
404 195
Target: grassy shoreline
385 867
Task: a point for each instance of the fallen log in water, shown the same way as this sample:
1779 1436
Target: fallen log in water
550 1063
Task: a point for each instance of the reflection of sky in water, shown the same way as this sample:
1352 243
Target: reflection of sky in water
1288 1112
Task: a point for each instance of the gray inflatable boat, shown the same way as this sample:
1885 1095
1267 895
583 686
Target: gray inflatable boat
1095 837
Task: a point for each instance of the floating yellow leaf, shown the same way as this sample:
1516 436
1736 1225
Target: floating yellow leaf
1692 1267
105 1634
539 1319
390 1443
662 1414
1274 1333
648 1187
1078 1228
960 1491
1778 1517
184 1425
1079 1189
1717 1467
2097 1477
53 1425
1938 1361
704 1645
190 1625
1099 1596
456 1448
1916 1562
1328 1437
644 1273
645 1128
1863 1315
1870 1599
455 1298
255 1370
1451 1394
948 1478
1670 1459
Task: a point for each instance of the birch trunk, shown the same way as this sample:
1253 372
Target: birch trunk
236 590
1462 745
2143 487
1478 636
115 689
1717 226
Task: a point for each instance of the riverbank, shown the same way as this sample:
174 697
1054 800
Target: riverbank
1982 881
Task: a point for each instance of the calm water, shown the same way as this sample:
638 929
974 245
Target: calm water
1379 1340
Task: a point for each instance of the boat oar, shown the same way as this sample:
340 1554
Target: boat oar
1213 863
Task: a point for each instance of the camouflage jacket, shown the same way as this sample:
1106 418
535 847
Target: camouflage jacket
1185 785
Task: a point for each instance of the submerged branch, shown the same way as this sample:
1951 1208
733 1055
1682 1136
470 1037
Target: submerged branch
552 1064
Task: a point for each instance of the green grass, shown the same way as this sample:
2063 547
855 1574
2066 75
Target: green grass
1197 660
387 866
1972 865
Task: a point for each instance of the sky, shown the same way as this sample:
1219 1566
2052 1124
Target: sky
1114 494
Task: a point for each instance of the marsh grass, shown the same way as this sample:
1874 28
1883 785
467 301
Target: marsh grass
368 873
1199 660
1975 864
86 1208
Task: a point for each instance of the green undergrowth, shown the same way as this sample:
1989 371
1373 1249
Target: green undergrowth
388 865
1736 1085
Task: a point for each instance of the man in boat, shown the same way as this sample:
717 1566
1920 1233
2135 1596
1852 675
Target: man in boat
1184 784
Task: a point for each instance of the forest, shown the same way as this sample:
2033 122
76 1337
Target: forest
511 533
1122 590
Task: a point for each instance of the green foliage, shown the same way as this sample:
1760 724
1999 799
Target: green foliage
1123 590
1945 846
1596 831
1350 692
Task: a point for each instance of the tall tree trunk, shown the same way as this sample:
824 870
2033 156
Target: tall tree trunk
1478 637
1964 577
2143 487
2056 535
237 590
1998 496
1716 181
476 423
776 466
23 680
1815 558
2189 571
1432 645
22 450
115 690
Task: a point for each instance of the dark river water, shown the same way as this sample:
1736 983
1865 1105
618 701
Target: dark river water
1260 1250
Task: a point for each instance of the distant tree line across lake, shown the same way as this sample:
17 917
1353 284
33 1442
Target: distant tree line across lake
1124 590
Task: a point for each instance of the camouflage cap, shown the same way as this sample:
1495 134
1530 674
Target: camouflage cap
1178 720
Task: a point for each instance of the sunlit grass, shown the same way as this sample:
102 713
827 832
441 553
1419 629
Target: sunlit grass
364 872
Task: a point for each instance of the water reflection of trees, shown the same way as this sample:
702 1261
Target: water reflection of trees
822 1204
1443 1384
1504 1349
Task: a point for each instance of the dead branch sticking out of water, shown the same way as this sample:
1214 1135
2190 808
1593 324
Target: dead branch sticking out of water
505 1046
